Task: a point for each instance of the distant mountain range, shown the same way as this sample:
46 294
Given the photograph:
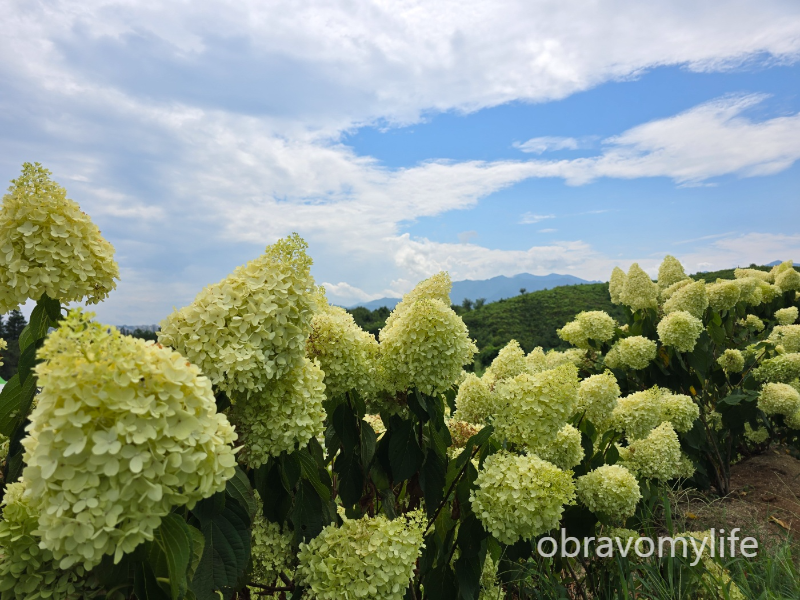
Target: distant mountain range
492 289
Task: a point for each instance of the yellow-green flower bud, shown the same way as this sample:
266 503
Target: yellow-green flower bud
670 271
270 549
594 325
616 284
49 246
731 361
756 436
781 369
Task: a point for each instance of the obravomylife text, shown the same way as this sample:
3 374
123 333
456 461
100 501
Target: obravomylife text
715 544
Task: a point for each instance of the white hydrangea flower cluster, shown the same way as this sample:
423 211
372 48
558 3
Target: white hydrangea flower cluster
346 353
635 352
28 572
424 343
594 325
508 363
779 399
250 328
376 423
616 284
670 272
756 436
609 489
766 276
752 322
691 298
597 395
123 431
639 291
565 451
364 558
785 276
533 408
731 361
490 586
49 246
475 402
637 414
680 330
722 295
3 346
658 456
286 414
787 336
786 316
769 291
793 420
270 549
520 496
717 579
667 293
460 432
783 368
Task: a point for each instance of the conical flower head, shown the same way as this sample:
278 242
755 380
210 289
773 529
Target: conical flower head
692 298
123 432
426 348
611 490
671 271
616 284
251 327
508 363
723 295
639 291
49 246
436 287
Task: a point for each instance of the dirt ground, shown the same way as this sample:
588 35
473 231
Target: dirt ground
764 500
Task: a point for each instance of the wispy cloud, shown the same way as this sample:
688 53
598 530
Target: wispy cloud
530 218
539 145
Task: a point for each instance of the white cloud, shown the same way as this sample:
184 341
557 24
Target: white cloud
547 230
530 218
539 145
467 236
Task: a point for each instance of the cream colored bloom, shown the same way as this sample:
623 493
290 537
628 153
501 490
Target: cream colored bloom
616 284
520 497
250 328
637 414
659 456
565 451
270 549
670 271
691 298
475 403
752 322
635 352
508 363
594 325
731 361
639 290
767 276
49 246
597 395
779 399
680 330
783 368
786 316
610 489
723 295
123 431
788 280
364 558
787 336
757 436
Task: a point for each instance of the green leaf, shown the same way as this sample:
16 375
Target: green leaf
175 540
35 329
368 441
198 545
15 402
351 477
145 585
27 360
432 480
238 488
275 498
345 423
310 470
418 405
405 455
468 574
226 555
307 513
290 470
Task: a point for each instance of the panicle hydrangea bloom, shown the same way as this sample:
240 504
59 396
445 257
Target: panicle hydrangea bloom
756 273
793 420
123 431
461 431
565 451
640 412
594 325
520 497
780 268
536 360
716 576
508 363
787 336
597 395
788 280
426 348
376 423
3 346
781 369
722 295
284 415
610 489
474 401
490 586
779 399
786 316
769 291
667 293
691 298
364 558
752 322
639 290
658 456
757 436
749 291
572 356
680 330
615 285
251 327
270 549
731 361
28 572
670 271
49 246
345 352
533 408
634 352
434 288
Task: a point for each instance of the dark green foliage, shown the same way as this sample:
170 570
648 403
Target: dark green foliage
10 331
370 320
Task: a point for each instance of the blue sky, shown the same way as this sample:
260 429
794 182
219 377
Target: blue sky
405 138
